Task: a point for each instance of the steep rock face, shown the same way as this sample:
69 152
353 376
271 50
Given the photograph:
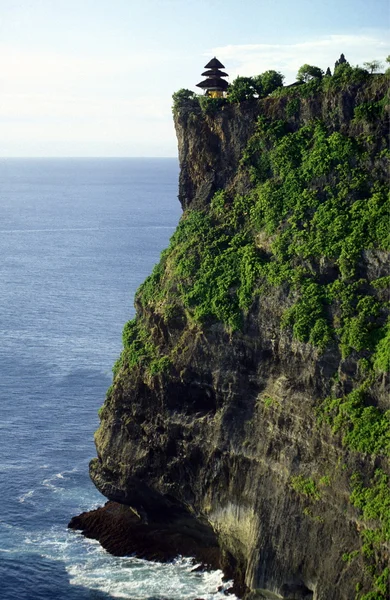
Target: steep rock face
228 429
211 146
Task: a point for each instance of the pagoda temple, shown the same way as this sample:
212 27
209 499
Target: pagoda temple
214 85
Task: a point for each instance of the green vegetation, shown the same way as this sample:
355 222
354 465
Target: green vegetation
270 82
249 88
212 268
140 350
313 81
365 428
244 88
181 96
374 504
307 221
240 90
382 352
293 107
324 481
349 556
308 72
314 199
372 66
369 111
268 401
306 486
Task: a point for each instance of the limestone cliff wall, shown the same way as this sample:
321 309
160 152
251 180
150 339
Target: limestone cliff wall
229 428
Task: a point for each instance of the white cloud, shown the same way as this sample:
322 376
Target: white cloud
252 59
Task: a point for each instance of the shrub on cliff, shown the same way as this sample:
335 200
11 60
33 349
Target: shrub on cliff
249 88
244 88
270 81
308 72
182 95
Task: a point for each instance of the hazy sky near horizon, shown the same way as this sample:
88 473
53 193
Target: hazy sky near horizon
95 77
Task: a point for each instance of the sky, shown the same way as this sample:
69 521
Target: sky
96 77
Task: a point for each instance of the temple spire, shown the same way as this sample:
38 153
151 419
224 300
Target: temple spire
214 85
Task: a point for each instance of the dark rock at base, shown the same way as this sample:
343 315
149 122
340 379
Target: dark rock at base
122 533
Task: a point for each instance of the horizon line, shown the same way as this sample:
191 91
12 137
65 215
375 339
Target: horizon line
85 157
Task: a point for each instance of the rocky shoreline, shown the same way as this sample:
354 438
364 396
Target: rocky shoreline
122 532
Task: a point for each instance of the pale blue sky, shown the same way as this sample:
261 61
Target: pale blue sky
95 77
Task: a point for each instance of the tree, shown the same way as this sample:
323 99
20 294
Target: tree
182 96
270 80
308 72
373 66
242 88
258 85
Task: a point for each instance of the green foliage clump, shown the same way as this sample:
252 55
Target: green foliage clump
345 76
268 401
140 350
369 111
270 81
374 501
365 427
308 221
137 345
160 365
249 88
382 351
349 556
212 268
244 88
381 283
292 107
307 316
308 72
181 96
209 105
305 486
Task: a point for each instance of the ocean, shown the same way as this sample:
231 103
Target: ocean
77 237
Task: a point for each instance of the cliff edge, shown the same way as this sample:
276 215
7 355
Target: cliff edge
252 390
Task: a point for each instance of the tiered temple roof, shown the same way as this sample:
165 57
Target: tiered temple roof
214 82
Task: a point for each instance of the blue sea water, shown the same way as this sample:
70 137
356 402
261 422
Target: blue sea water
77 237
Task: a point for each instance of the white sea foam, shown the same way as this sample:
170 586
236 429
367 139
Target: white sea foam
26 496
139 580
89 565
50 482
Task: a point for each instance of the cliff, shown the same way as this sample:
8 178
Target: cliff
252 391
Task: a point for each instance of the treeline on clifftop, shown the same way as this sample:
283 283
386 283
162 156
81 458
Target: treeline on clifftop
314 215
271 83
